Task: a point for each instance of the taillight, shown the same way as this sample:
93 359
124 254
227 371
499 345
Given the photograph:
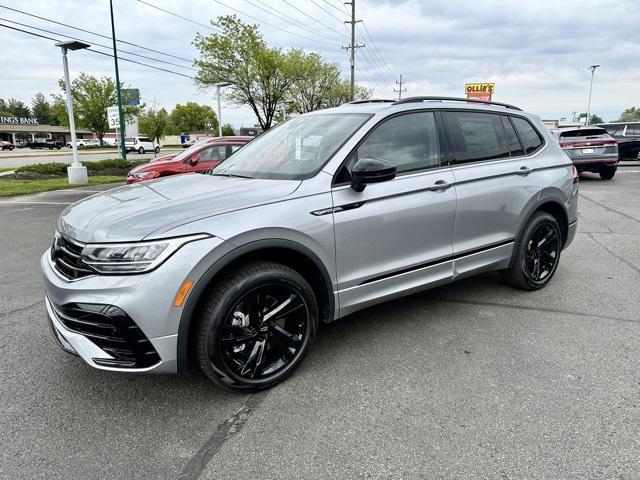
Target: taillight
576 175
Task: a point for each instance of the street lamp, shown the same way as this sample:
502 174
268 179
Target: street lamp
593 71
218 85
76 172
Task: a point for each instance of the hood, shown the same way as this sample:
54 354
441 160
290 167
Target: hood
154 164
133 212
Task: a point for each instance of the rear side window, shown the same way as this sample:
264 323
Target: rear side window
512 139
531 140
476 136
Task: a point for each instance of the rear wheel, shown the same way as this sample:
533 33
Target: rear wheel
256 326
141 150
607 173
536 253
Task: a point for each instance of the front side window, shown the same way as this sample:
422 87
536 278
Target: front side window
294 150
476 136
531 140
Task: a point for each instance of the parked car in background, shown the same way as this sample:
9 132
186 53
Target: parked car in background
628 136
85 143
199 158
331 212
141 145
590 148
4 145
46 143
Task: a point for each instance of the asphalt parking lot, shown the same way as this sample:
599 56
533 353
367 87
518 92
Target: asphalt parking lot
471 380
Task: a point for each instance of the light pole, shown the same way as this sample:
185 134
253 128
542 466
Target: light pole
76 172
593 71
218 85
123 149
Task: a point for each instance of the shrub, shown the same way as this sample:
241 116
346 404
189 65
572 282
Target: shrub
53 168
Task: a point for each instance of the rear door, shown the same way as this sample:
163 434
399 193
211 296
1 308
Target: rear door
391 237
494 174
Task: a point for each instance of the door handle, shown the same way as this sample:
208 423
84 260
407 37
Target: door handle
524 170
440 185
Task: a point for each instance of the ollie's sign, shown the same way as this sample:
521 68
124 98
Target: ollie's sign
480 91
19 120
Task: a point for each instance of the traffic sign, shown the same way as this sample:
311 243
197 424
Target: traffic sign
113 116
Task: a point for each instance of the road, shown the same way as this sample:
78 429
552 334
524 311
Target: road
19 158
471 380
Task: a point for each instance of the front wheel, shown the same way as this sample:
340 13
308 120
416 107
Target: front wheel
536 253
141 150
157 150
256 326
607 173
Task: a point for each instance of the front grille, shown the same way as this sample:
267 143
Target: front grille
65 254
113 331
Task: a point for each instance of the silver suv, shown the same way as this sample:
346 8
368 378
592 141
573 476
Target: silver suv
326 214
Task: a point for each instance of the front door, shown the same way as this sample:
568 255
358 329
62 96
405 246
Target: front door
395 236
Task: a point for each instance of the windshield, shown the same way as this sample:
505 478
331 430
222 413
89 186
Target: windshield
294 150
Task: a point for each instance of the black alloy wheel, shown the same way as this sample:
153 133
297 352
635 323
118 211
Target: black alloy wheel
256 327
536 253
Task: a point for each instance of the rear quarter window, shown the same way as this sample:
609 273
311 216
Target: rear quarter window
476 136
531 139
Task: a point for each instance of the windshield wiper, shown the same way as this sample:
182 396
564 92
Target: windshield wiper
229 175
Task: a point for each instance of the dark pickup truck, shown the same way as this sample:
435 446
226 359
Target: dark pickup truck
47 143
628 136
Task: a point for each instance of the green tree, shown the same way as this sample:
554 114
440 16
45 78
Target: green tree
154 122
192 117
631 114
14 108
41 109
593 118
59 111
227 130
260 76
91 97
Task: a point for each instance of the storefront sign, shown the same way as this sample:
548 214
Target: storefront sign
480 91
18 121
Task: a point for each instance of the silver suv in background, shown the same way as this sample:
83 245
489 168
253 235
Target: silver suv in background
328 213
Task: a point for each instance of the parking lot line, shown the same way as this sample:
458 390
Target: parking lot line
19 202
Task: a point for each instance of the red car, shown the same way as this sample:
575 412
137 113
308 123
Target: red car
591 149
6 145
198 158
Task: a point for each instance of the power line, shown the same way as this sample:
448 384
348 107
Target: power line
98 52
95 44
332 5
178 16
327 11
271 25
94 33
386 65
314 19
296 23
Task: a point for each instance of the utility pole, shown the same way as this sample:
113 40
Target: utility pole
400 89
352 46
123 150
593 71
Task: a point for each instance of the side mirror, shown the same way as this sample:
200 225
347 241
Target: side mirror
194 159
371 170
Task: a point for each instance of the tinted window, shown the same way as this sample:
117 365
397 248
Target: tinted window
633 130
476 136
530 138
145 139
512 139
410 142
210 154
583 132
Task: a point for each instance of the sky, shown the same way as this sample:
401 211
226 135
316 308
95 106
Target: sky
537 53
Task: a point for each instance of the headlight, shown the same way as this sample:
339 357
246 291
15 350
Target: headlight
142 174
138 257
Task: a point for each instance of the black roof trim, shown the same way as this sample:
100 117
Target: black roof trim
371 100
453 99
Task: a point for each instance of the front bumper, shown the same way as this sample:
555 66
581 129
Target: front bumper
147 299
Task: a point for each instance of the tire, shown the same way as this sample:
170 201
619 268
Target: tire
141 150
157 150
244 353
607 173
522 272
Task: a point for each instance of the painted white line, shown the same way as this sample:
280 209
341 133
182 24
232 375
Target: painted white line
19 210
74 190
11 202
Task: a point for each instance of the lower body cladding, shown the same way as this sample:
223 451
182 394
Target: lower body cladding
123 323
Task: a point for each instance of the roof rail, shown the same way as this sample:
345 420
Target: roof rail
371 100
453 99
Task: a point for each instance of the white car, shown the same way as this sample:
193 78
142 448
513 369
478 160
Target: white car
141 145
86 143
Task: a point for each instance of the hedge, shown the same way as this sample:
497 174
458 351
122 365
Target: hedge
57 168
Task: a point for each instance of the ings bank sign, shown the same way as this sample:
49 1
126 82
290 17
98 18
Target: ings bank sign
18 121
